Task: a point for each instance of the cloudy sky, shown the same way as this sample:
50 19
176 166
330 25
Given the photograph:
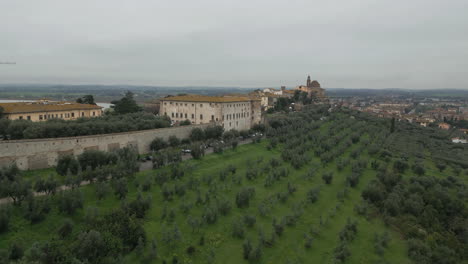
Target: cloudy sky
247 43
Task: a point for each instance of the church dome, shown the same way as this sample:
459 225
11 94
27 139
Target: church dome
315 84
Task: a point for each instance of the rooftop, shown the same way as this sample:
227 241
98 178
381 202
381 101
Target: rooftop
205 98
44 106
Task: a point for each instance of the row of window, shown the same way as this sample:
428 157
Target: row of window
211 104
181 104
236 116
228 117
49 116
181 115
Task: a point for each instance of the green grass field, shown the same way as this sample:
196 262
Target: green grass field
219 244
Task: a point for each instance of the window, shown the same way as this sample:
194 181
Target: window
176 103
201 105
193 116
20 117
193 104
212 117
73 114
201 117
94 113
185 115
165 113
185 104
61 115
40 117
176 115
82 113
29 117
165 103
172 114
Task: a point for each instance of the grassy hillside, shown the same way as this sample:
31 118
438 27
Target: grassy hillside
294 216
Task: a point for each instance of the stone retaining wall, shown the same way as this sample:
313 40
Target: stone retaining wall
44 153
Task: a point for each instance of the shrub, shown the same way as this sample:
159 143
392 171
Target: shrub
67 163
158 144
197 151
5 215
234 144
313 194
327 177
186 122
197 134
250 220
16 251
238 230
47 186
174 141
214 132
70 201
37 208
244 196
65 229
352 179
120 188
96 158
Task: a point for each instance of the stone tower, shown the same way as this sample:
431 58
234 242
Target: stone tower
308 81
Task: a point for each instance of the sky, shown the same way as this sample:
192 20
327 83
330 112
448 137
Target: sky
412 44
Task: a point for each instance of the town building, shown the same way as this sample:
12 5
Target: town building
312 88
444 126
43 110
459 140
231 112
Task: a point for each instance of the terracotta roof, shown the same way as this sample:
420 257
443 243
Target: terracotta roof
30 107
289 91
204 98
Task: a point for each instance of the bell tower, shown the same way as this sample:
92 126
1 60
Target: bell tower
308 81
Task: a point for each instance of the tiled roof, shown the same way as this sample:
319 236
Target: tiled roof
289 91
204 98
30 107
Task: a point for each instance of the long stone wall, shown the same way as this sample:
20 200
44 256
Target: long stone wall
44 153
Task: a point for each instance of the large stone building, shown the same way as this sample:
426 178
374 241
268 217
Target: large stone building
231 112
43 110
312 88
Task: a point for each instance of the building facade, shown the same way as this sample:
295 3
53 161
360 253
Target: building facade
45 110
231 112
312 88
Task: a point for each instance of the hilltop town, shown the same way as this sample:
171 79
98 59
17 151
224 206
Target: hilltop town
233 177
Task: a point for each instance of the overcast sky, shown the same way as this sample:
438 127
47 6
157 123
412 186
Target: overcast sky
247 43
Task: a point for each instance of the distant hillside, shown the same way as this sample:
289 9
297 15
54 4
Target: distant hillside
105 93
345 92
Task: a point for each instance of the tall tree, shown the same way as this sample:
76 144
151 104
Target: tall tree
87 99
392 125
126 105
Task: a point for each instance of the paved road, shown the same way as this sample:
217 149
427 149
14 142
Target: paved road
144 166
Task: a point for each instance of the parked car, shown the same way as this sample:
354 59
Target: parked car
186 151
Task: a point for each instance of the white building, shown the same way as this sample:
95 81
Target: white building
231 112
